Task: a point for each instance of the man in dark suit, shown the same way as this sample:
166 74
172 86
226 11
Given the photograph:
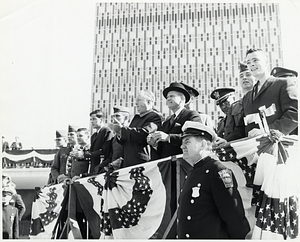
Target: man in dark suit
279 95
134 137
168 137
101 148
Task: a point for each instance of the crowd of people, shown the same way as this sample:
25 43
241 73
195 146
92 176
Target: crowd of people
13 209
16 145
147 136
218 212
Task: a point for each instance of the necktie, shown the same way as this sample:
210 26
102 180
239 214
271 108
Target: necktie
172 119
255 89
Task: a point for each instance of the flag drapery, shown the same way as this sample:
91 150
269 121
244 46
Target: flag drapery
270 169
131 203
134 202
45 211
276 190
29 158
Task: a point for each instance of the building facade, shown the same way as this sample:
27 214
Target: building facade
148 45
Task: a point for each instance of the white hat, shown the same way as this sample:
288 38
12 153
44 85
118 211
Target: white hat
192 128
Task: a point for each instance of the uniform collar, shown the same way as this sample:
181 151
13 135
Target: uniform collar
202 162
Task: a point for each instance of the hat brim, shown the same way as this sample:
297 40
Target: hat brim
177 89
222 99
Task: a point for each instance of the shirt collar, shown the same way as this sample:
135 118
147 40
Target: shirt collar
178 112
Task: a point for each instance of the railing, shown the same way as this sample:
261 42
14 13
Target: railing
35 158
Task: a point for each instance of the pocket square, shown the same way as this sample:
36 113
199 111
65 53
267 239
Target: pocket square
177 125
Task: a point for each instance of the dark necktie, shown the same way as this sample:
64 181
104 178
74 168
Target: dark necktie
255 89
172 119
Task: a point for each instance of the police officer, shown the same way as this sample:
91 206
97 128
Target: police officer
233 124
210 205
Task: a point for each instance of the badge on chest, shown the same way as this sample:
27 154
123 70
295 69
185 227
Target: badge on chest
196 191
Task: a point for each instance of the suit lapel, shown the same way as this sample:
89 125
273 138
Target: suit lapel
176 119
93 138
268 82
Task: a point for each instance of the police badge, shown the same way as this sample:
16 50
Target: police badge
196 191
226 176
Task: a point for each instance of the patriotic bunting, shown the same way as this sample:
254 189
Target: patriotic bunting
134 202
45 211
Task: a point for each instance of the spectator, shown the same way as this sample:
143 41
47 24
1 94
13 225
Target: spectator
10 220
60 167
210 205
100 145
278 94
61 138
168 137
79 169
283 72
134 137
120 116
5 145
246 78
233 122
16 200
80 164
17 145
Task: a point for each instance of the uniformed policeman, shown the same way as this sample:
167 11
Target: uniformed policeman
233 123
10 221
210 206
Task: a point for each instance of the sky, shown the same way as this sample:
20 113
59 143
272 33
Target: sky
46 64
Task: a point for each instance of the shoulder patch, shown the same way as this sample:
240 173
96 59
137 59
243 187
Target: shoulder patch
226 176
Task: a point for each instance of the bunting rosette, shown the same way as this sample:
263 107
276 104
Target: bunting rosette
276 189
266 168
45 211
130 203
